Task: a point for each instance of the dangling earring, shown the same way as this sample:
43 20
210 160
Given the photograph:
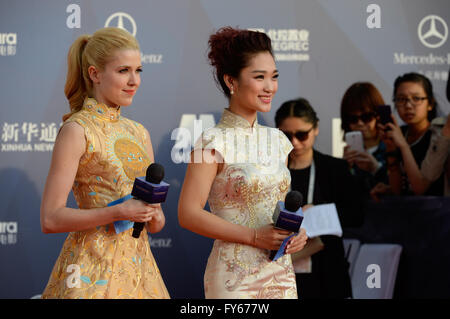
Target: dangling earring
231 90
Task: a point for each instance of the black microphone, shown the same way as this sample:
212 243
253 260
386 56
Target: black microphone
293 201
152 190
288 215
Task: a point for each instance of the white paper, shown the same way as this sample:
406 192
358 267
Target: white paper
321 220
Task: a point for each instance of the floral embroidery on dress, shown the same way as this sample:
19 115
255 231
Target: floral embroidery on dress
111 265
246 192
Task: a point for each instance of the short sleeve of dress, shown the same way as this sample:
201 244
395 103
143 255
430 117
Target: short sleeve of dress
88 134
285 145
211 139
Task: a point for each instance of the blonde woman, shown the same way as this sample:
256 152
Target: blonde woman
98 153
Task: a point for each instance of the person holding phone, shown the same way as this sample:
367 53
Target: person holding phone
409 144
360 113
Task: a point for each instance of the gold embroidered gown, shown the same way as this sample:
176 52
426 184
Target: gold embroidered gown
98 263
254 178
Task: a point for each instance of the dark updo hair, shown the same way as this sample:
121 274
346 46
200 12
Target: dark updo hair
231 50
296 108
361 97
427 87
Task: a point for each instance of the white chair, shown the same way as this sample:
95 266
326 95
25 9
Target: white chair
375 271
351 248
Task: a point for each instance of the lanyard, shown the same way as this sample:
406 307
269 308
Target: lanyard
312 178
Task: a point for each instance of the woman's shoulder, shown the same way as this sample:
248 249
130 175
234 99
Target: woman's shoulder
78 123
273 131
81 117
211 138
72 128
132 123
270 129
285 145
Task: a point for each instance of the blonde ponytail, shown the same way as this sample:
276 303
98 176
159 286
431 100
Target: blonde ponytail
95 50
75 88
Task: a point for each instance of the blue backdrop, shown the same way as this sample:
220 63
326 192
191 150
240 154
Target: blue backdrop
321 48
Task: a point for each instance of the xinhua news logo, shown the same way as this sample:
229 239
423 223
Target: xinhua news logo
8 233
8 44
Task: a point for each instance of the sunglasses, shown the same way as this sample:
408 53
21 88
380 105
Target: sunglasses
299 135
365 117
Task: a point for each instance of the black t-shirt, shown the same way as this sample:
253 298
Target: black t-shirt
419 149
300 181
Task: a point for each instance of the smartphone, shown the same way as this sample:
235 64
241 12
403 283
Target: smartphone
384 112
354 139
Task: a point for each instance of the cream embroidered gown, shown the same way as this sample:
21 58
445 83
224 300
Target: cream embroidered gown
245 192
110 265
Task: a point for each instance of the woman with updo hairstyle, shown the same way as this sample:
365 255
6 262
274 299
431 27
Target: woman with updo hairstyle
98 153
231 169
322 270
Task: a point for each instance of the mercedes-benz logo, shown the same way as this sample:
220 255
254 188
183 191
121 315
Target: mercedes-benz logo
120 22
432 31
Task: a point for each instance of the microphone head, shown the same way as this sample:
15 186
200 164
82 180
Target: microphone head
155 173
293 201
